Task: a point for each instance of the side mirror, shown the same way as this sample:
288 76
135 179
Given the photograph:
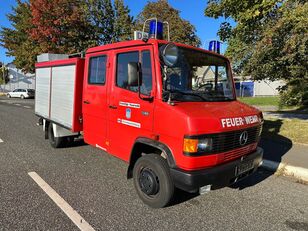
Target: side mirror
133 74
135 78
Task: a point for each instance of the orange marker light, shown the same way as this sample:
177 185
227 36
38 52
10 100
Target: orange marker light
190 145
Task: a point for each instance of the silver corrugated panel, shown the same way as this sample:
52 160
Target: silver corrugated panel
50 57
62 94
42 91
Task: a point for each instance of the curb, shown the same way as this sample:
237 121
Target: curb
286 169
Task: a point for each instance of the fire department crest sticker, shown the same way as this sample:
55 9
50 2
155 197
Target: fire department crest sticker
128 113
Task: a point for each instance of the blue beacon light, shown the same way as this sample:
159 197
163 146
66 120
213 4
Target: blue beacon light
214 46
159 32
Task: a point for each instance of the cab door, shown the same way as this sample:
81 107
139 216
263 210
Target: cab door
95 109
130 116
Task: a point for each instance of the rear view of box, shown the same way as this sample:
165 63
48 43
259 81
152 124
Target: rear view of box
59 92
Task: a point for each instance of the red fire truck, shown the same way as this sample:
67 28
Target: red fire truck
168 109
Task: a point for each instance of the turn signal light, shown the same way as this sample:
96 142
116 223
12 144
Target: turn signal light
190 145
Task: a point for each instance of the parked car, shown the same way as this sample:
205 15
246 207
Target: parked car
21 93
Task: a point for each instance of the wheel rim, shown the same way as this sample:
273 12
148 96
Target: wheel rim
148 182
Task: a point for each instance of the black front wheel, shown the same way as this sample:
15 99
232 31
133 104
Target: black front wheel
152 180
55 142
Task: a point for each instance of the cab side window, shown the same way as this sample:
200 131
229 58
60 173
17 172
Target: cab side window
122 69
146 68
97 70
144 58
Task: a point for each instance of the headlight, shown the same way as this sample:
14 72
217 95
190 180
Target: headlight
197 145
205 145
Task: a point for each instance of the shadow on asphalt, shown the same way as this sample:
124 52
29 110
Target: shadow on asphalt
181 196
259 176
274 145
77 143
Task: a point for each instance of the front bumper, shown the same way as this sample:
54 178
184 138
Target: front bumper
218 176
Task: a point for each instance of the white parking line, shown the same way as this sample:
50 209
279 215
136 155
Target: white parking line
17 104
66 208
27 107
1 141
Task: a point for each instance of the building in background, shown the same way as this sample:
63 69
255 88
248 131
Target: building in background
246 87
17 79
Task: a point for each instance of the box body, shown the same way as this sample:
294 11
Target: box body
59 92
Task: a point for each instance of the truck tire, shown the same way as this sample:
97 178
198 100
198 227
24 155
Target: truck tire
22 97
8 95
55 142
152 180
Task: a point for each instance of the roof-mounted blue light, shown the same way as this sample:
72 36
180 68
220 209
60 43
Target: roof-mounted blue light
156 27
214 46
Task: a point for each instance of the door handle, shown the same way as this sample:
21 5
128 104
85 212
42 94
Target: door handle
113 106
86 102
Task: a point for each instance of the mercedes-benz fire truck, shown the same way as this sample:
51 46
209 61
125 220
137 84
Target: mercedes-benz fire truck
167 109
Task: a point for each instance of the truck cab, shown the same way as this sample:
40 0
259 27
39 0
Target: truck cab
186 112
167 109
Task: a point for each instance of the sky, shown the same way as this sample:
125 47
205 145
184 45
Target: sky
191 10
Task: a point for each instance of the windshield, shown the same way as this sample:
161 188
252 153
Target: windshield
197 76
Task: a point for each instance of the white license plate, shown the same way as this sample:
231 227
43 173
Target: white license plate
244 167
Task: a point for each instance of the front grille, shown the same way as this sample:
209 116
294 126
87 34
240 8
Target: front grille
228 141
234 154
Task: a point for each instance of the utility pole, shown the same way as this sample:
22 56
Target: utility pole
3 77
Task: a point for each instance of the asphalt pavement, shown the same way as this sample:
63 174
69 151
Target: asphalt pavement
94 184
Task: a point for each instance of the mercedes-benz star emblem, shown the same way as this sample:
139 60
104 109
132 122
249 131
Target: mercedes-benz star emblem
243 138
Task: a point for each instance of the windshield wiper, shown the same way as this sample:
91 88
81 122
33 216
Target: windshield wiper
189 93
222 97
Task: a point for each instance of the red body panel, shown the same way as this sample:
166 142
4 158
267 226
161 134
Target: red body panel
77 115
196 118
95 108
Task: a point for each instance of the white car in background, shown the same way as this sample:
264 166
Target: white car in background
21 93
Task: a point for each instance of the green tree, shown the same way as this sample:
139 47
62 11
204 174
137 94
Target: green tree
181 30
100 17
269 41
123 22
16 39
